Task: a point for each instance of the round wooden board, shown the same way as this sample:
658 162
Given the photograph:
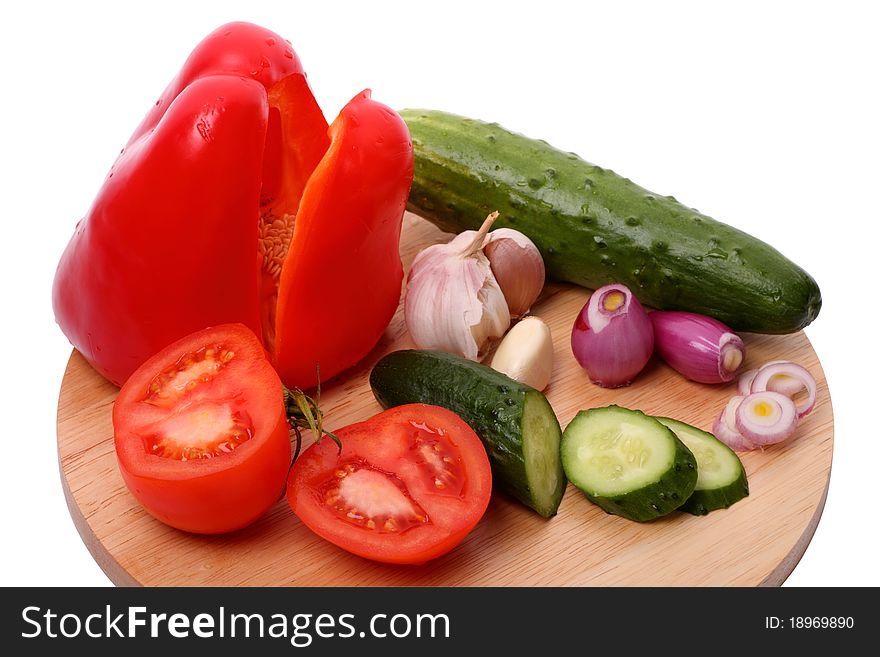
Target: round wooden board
757 541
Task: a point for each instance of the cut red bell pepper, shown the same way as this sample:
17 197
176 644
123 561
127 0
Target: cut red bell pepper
234 202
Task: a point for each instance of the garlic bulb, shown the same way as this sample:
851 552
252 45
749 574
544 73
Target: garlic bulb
518 268
526 353
453 301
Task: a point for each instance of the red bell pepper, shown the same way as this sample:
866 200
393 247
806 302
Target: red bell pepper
234 202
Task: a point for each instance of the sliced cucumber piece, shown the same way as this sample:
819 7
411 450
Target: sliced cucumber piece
540 445
627 462
721 477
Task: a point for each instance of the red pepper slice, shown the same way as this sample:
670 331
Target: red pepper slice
234 202
352 270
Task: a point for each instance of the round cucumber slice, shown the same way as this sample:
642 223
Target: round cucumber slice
721 477
627 462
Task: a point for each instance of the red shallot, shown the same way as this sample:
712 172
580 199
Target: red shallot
699 347
612 338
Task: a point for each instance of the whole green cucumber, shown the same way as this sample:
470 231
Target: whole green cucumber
595 227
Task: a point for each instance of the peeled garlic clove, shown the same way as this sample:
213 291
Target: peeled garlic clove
453 302
526 353
518 268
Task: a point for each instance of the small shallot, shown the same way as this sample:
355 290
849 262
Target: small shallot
699 347
612 338
766 418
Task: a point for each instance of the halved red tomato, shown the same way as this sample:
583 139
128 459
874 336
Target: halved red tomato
201 433
407 486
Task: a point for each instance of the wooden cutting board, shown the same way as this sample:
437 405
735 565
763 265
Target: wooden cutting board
758 541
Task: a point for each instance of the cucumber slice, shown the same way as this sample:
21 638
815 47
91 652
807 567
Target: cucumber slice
627 462
541 435
515 422
721 477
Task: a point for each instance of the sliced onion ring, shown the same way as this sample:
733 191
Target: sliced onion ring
784 383
766 418
787 385
764 381
744 382
725 428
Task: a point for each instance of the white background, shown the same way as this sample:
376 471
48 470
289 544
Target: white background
764 115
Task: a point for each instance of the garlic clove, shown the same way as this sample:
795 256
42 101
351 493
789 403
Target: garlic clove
518 267
453 302
526 353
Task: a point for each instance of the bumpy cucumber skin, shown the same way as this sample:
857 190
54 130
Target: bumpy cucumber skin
658 499
702 502
594 227
490 402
